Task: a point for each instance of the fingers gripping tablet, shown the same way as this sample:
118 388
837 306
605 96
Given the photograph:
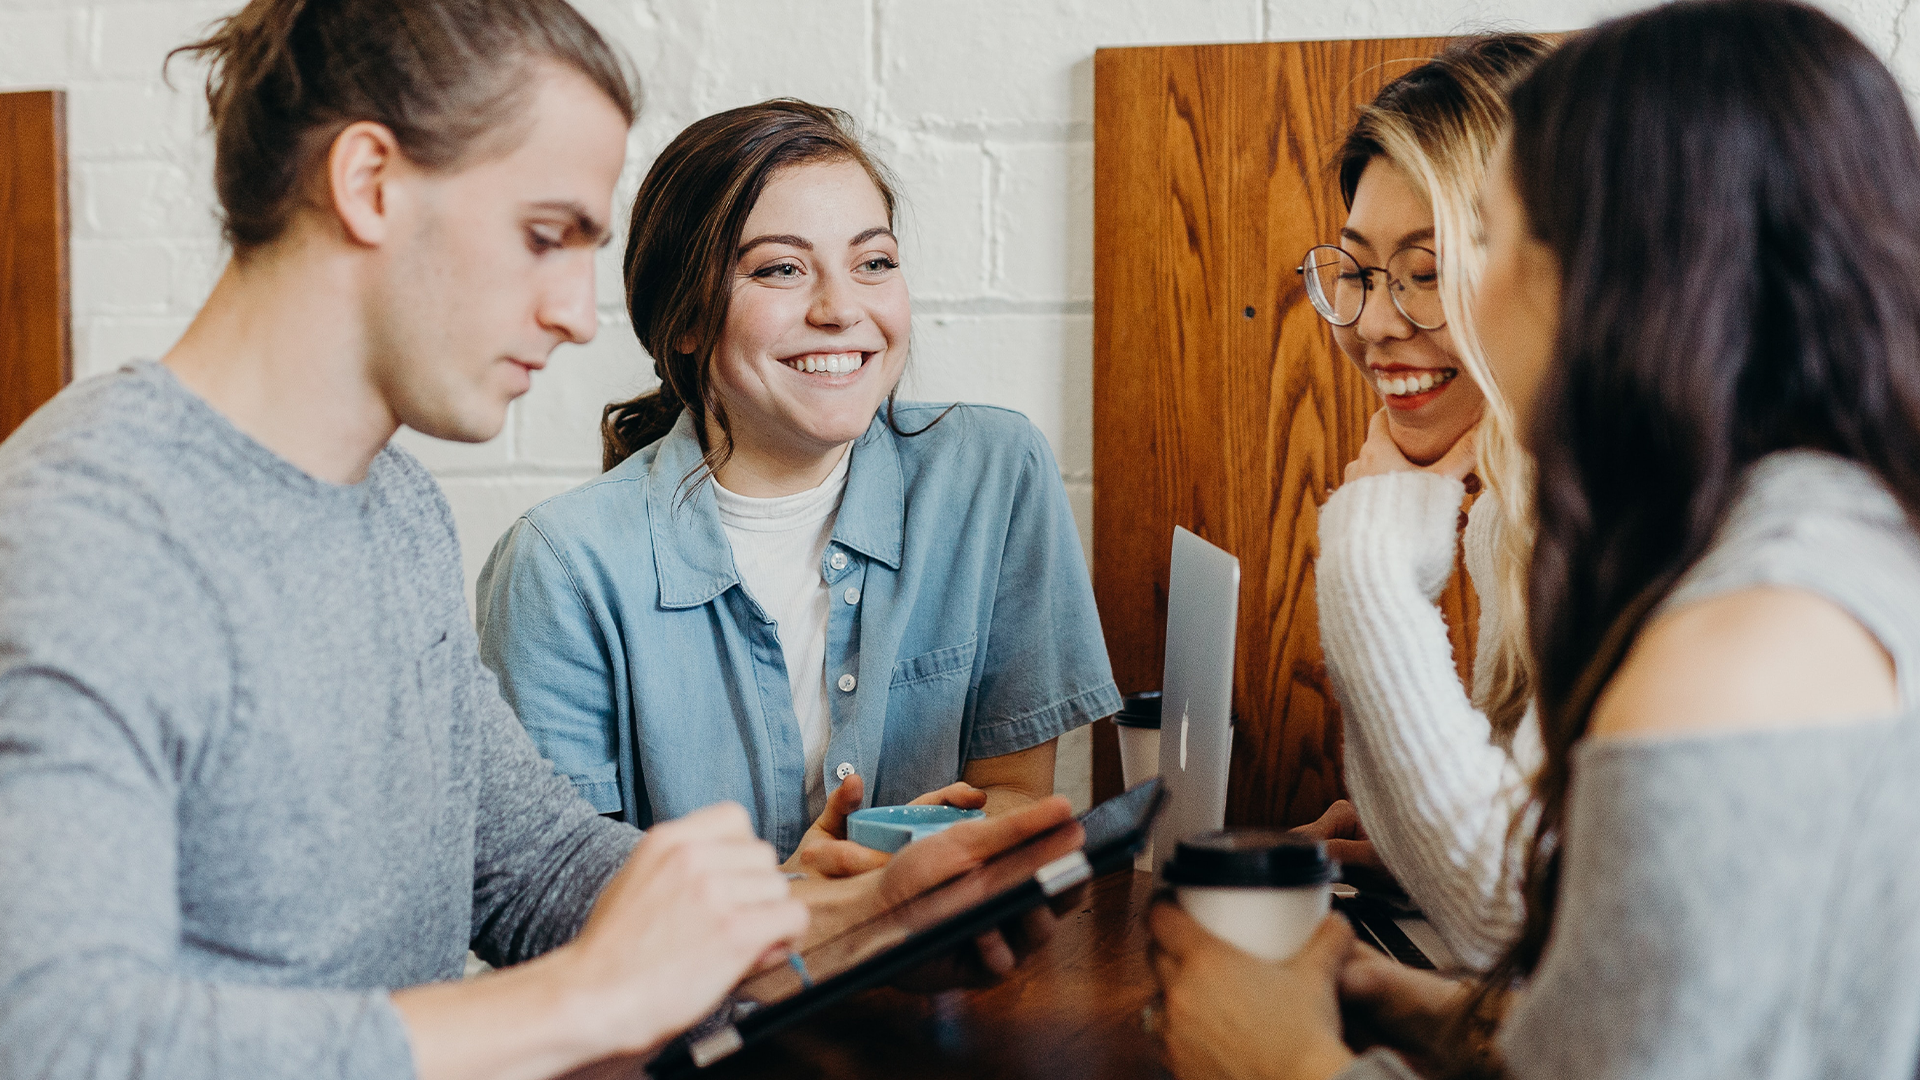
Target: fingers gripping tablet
922 928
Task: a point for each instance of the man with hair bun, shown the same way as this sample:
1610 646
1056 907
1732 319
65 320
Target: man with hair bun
258 795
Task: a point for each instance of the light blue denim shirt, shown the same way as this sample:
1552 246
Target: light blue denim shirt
644 670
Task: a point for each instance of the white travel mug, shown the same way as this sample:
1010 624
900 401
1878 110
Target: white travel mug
1138 723
1262 890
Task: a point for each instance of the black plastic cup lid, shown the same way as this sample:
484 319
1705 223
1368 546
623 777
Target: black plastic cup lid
1139 710
1250 858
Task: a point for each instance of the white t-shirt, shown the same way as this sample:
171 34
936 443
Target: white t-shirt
778 545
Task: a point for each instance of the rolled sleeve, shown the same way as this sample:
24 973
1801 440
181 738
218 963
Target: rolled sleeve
1045 671
1025 732
599 785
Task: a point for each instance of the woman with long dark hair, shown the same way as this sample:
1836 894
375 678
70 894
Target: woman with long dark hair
1702 297
790 589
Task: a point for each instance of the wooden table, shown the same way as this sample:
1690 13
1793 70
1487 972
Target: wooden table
1072 1010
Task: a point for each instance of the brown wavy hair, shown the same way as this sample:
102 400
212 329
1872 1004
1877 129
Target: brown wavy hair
1728 188
288 76
681 250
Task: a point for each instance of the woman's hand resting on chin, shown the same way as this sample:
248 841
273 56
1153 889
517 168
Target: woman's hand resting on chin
1380 455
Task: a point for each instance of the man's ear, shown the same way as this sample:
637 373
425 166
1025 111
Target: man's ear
364 160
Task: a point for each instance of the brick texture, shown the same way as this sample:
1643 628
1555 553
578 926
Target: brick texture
983 107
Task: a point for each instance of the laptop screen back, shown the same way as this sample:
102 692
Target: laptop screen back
1196 701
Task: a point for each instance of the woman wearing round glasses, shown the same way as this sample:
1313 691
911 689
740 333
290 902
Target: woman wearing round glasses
1401 342
1436 774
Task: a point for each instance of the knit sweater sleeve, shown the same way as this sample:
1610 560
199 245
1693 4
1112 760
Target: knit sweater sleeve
1434 792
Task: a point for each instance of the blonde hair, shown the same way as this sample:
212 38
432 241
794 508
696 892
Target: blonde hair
1440 124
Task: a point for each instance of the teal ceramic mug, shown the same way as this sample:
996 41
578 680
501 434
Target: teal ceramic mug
890 828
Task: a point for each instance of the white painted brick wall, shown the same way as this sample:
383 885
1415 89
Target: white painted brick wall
983 107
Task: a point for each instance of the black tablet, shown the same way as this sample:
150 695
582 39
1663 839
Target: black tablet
922 929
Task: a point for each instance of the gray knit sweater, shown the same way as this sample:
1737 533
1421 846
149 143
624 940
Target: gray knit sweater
252 772
1748 904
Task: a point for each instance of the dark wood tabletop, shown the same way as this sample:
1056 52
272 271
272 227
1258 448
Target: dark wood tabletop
1071 1011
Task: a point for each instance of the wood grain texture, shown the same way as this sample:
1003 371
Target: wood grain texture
36 346
1220 400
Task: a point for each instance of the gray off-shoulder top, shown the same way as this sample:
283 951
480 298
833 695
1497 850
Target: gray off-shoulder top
1748 905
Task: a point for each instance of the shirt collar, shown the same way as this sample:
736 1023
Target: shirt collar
873 513
691 554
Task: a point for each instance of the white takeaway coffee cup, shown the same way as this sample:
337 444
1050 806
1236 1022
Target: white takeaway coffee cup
1262 890
1138 723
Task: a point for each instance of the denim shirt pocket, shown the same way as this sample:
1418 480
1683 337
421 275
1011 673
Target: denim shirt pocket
930 690
947 663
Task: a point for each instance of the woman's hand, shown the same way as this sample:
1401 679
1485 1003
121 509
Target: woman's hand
953 851
1409 1011
1231 1014
957 794
839 904
941 857
825 849
1380 455
1346 839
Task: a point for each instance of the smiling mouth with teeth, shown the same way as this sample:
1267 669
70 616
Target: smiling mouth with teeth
827 363
1413 382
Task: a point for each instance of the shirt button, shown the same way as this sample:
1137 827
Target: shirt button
852 596
839 561
848 682
843 770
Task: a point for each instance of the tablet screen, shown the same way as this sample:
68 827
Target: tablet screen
945 916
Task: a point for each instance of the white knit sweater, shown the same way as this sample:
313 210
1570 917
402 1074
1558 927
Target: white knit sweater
1434 790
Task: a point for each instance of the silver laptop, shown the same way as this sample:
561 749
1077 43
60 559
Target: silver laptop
1196 700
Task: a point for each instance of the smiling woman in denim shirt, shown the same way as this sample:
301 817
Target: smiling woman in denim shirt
789 589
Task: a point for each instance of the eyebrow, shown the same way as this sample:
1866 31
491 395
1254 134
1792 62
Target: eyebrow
1413 237
788 239
804 244
583 221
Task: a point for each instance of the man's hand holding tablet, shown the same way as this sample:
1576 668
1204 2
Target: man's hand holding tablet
961 907
839 904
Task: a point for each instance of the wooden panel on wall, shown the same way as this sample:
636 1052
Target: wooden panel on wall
36 341
1220 400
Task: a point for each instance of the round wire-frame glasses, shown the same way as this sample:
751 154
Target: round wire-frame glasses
1337 285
